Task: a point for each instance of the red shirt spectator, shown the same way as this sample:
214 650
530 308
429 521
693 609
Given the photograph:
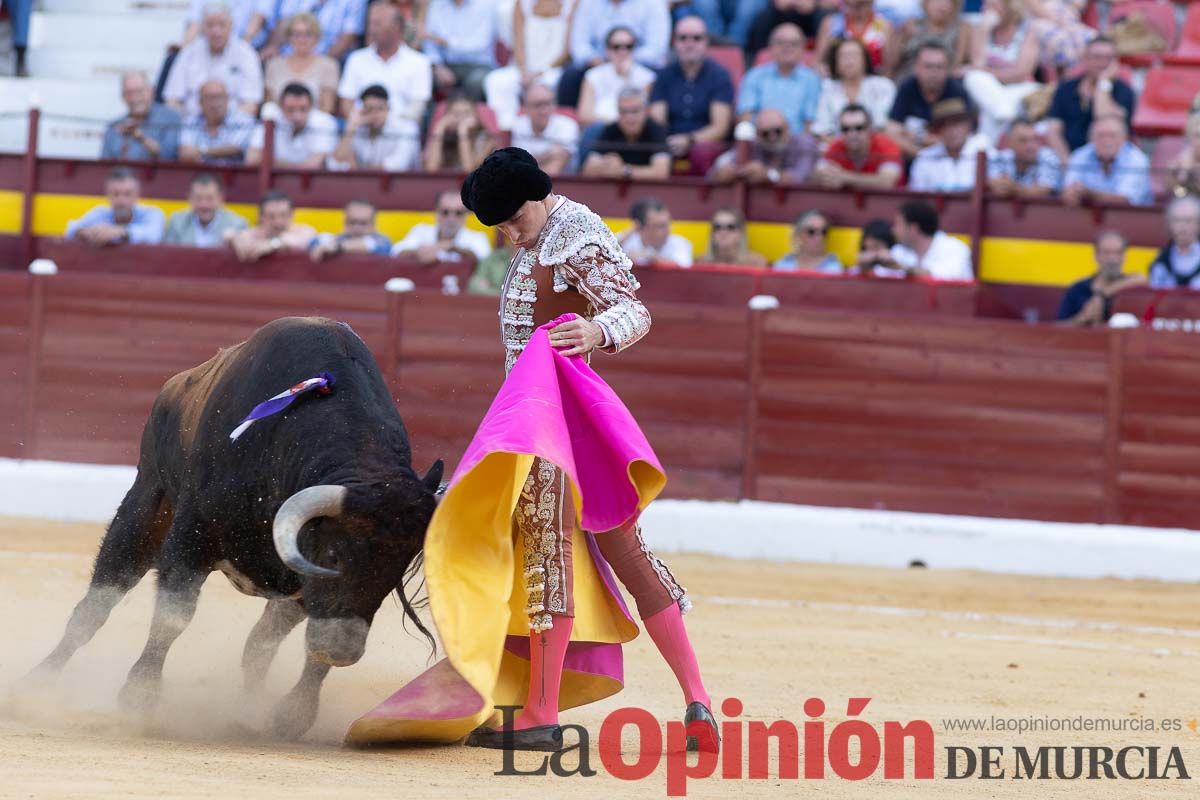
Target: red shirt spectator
860 158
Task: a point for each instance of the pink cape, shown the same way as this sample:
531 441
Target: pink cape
558 409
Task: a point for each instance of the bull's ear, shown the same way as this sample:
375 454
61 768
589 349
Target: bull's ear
433 478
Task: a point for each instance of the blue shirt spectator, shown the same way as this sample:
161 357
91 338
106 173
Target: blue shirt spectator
688 101
123 219
149 131
795 93
1109 169
1027 168
648 19
212 137
466 28
1075 102
337 19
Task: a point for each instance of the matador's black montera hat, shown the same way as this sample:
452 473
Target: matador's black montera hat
503 183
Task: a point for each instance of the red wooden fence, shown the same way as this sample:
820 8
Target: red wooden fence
933 413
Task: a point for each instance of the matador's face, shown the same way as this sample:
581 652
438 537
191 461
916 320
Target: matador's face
524 227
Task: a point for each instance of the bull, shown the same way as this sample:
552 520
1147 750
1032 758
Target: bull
317 509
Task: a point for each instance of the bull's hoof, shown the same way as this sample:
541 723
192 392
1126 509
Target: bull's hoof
294 715
139 695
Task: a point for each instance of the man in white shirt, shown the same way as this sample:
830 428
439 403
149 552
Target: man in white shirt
550 138
374 139
448 239
405 73
651 241
304 137
216 55
924 250
948 165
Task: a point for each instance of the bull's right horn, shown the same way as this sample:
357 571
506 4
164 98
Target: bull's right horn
306 504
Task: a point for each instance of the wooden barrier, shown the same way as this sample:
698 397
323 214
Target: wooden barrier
928 413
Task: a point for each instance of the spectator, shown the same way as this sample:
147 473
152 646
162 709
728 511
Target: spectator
942 23
810 247
374 139
448 239
729 19
851 80
925 251
1063 36
1109 169
241 12
304 65
1089 302
1177 266
1098 92
777 155
875 251
206 222
648 20
488 277
358 234
1183 173
727 241
551 138
460 40
1004 55
20 13
216 56
650 241
459 140
783 83
1027 168
604 83
693 98
149 130
275 231
337 25
390 63
856 20
948 165
860 158
930 84
304 137
804 14
123 219
218 134
634 147
540 50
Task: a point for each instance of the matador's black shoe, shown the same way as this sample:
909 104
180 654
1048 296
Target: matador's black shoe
701 727
545 738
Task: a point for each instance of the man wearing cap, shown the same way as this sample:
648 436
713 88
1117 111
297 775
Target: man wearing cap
948 165
567 260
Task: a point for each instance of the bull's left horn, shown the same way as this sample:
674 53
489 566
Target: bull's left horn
306 504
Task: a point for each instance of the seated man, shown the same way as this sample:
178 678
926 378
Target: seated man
1108 169
922 249
448 239
206 222
304 137
123 219
1177 266
693 98
549 137
1027 168
949 164
783 82
275 231
634 147
148 131
859 158
931 83
1088 302
358 234
1098 92
216 55
777 154
460 40
217 135
650 241
376 139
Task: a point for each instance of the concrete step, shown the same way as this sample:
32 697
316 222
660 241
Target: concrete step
142 31
84 64
177 8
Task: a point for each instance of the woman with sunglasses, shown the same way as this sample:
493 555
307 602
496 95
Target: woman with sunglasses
810 251
603 83
727 241
304 65
851 80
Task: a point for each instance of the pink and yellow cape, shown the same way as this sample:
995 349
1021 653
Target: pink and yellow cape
558 409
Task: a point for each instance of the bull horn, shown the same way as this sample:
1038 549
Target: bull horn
304 505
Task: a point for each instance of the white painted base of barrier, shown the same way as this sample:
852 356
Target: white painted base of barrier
772 531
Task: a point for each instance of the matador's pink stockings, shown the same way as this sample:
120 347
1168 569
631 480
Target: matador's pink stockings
546 653
669 635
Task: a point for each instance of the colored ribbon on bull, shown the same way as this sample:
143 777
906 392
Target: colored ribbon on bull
322 384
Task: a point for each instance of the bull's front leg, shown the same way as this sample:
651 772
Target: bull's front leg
297 711
277 621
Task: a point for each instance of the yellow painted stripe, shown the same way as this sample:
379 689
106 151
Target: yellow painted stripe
10 211
1046 263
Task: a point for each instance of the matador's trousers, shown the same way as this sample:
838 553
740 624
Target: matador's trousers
545 519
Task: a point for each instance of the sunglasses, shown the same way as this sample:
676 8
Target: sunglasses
690 37
770 133
726 226
854 128
620 46
452 212
814 231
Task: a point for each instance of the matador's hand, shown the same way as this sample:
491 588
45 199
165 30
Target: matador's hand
578 337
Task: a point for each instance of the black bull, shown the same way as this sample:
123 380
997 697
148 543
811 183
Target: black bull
331 477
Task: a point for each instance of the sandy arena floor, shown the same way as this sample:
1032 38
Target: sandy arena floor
923 644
